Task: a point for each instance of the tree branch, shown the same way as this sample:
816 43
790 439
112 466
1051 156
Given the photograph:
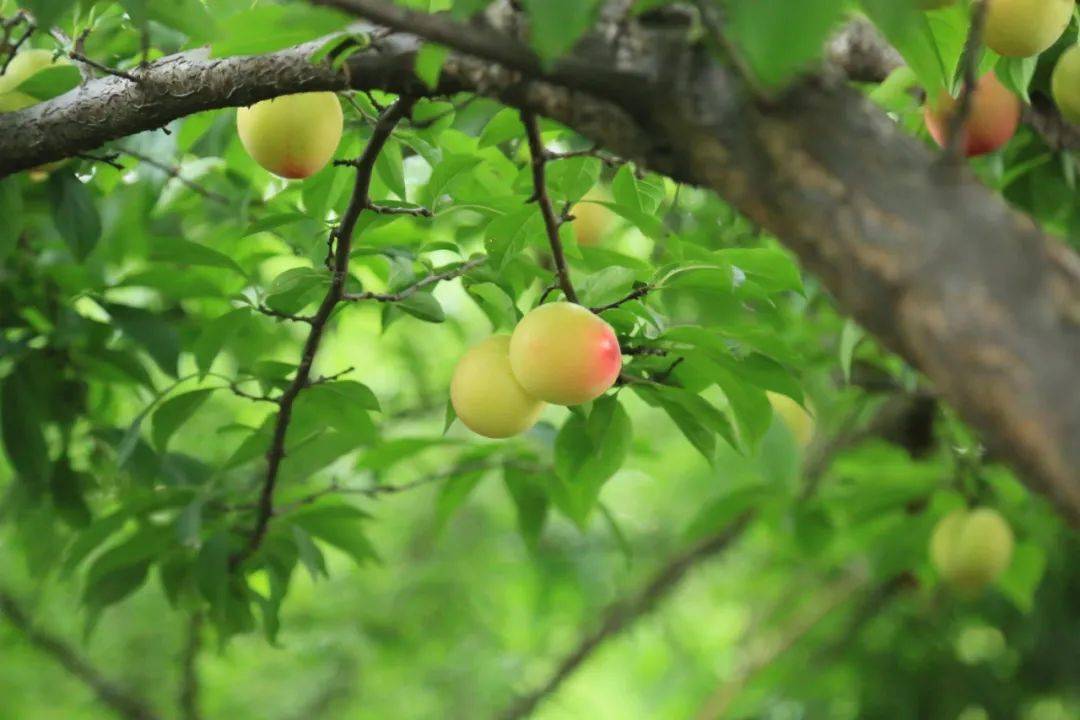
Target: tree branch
928 260
359 200
122 702
538 161
188 699
969 65
625 612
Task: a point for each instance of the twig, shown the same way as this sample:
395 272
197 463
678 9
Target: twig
278 314
124 703
969 63
540 195
635 294
418 285
388 210
323 379
174 172
595 151
359 200
235 388
79 57
625 612
188 699
14 47
547 291
108 159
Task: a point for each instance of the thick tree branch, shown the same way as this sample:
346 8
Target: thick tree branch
930 261
359 200
122 702
538 163
625 612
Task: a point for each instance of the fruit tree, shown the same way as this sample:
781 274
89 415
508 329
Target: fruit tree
539 358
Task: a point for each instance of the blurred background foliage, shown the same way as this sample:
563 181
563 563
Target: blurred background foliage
418 571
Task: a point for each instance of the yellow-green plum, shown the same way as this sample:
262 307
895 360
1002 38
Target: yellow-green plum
292 136
21 68
565 354
1065 84
1021 28
794 416
486 396
591 220
971 548
993 118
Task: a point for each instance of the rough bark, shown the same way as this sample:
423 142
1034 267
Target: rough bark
926 258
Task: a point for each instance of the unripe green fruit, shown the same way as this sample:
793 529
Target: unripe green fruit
794 415
565 354
993 118
970 549
292 136
1021 28
591 220
485 394
1066 84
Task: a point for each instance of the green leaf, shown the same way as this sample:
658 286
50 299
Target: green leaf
266 28
569 179
771 268
780 38
452 494
589 451
174 412
1017 73
215 334
184 252
446 174
429 62
496 304
503 126
338 525
717 514
295 289
155 333
52 81
422 305
47 12
646 222
389 168
557 24
66 486
74 214
907 29
21 426
508 235
530 501
849 340
1021 579
11 209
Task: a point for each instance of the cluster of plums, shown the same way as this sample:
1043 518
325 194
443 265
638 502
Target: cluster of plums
971 548
559 353
1014 28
